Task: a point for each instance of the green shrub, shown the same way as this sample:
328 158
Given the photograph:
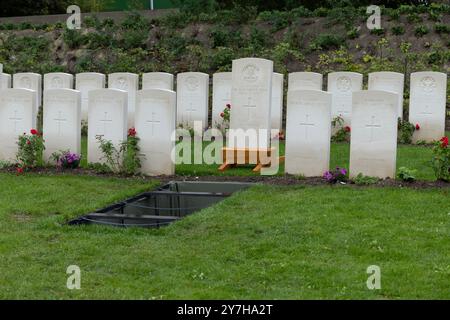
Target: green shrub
441 28
378 31
413 18
420 31
133 39
222 59
258 38
441 160
74 38
405 131
222 36
99 40
361 179
136 22
398 30
327 41
30 148
353 33
406 174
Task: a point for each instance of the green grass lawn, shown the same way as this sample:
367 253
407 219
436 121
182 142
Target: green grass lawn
411 156
267 242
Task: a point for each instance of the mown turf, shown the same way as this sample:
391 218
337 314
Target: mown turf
267 242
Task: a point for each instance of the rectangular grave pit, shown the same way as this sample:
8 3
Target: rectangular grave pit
162 206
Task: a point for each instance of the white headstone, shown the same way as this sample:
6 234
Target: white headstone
389 81
86 82
276 111
157 80
251 97
342 85
17 116
128 82
155 124
62 121
221 95
373 145
192 98
305 81
107 118
32 81
5 82
58 80
427 105
308 129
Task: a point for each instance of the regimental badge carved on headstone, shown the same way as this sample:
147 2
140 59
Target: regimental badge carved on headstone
344 84
251 73
428 84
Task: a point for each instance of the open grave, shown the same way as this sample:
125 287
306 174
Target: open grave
162 206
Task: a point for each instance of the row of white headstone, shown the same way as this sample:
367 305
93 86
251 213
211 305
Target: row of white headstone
309 113
192 99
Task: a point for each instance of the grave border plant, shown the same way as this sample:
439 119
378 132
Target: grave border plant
441 159
124 159
30 150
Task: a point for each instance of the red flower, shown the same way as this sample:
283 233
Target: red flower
347 129
228 106
444 142
34 132
28 142
417 126
132 132
222 114
19 170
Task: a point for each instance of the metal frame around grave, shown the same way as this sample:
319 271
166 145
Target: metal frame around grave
163 206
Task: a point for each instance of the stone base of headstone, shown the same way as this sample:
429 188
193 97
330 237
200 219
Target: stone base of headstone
232 157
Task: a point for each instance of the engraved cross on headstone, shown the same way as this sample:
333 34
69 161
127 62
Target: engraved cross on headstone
16 120
307 124
249 106
152 121
372 126
105 122
189 110
59 119
426 112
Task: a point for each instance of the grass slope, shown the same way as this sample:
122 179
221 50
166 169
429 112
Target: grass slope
267 242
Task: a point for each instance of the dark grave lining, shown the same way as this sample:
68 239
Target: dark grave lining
163 206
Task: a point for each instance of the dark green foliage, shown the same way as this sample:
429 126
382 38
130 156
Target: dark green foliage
378 32
327 41
420 31
441 28
398 30
353 33
74 38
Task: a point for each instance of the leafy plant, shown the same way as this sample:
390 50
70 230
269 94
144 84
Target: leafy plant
66 159
361 179
327 41
353 33
378 31
398 30
441 159
406 174
420 31
441 28
31 146
405 131
337 175
342 132
124 159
